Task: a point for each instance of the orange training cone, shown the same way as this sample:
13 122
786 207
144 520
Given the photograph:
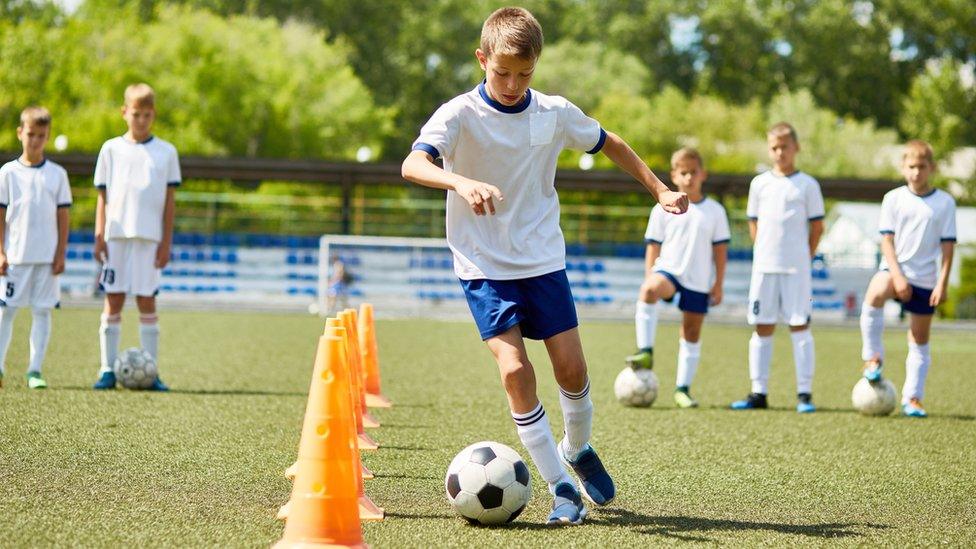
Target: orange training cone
371 363
293 470
348 318
366 442
324 506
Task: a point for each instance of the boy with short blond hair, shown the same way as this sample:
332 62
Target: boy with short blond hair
683 252
34 200
136 175
500 143
918 225
785 210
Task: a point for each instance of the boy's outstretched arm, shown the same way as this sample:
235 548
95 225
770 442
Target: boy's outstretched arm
816 231
940 292
419 168
622 155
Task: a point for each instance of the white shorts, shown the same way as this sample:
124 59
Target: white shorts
131 267
780 295
30 285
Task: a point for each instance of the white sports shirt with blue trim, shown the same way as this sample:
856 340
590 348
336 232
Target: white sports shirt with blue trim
32 196
783 207
135 177
920 224
687 240
514 148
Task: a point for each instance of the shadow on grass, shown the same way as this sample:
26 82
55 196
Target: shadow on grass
215 392
401 475
694 528
420 516
405 447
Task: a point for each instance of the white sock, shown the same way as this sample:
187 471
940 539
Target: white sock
536 435
7 315
646 321
688 356
577 420
109 335
804 357
872 327
760 357
40 334
916 368
149 335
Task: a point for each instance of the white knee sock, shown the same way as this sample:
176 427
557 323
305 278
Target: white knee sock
688 356
916 368
149 335
760 357
7 315
804 357
536 435
872 328
40 334
646 320
109 335
577 420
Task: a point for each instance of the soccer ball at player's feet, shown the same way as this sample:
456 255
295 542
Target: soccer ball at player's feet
636 387
874 398
135 369
488 483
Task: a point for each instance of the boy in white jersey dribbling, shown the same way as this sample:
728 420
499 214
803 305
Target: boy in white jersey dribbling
785 210
500 143
681 253
34 200
918 225
136 175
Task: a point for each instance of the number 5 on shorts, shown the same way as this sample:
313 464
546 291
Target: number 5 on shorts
10 289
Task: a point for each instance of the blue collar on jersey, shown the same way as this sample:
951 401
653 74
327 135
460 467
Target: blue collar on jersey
524 104
143 142
926 195
35 166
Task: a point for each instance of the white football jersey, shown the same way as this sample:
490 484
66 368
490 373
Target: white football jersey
135 177
514 148
783 207
32 196
920 224
686 241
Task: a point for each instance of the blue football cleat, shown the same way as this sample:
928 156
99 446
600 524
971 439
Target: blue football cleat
804 404
595 481
753 401
158 385
913 408
567 507
105 381
872 370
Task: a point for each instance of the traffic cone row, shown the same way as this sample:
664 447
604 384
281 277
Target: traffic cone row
328 500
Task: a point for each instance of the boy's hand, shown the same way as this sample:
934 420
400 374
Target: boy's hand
3 264
673 202
902 288
57 267
715 296
162 255
479 196
938 296
101 250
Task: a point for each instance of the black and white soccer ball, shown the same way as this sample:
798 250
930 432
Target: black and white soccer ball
874 399
135 369
636 387
488 483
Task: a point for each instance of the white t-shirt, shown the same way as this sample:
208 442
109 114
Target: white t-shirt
783 206
32 196
515 149
686 241
920 224
135 177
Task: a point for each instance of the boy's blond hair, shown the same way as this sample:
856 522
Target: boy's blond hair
686 153
780 129
916 148
140 95
512 31
35 116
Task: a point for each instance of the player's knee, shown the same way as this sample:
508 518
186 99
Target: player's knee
692 333
515 372
571 375
648 293
765 330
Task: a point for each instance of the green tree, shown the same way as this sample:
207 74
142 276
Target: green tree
939 108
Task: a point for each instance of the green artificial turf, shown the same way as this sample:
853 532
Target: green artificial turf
202 465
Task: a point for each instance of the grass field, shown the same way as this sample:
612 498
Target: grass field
202 465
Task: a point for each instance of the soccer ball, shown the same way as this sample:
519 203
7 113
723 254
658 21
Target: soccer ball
636 387
874 399
135 369
488 483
